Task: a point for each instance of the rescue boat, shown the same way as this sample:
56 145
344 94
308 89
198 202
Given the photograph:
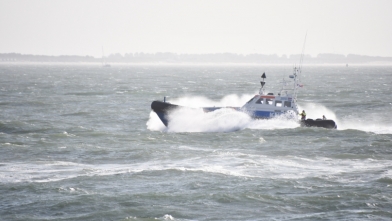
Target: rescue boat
260 106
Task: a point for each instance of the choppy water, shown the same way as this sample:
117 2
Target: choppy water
80 143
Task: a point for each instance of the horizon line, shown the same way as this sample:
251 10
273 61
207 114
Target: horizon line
215 53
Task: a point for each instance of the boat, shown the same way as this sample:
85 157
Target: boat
319 123
260 106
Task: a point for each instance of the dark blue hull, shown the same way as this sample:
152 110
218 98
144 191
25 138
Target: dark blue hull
162 109
319 123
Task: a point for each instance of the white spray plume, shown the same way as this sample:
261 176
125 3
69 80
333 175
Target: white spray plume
154 123
315 111
231 100
195 120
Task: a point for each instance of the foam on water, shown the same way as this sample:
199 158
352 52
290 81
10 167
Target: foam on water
372 126
234 163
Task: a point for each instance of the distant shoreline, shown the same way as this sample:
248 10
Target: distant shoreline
190 59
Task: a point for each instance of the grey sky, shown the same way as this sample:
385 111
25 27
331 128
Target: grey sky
82 27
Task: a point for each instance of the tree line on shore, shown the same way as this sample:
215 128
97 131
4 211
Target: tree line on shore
167 57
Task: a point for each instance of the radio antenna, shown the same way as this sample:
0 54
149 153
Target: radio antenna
302 54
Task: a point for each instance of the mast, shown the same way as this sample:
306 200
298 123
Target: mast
298 70
303 53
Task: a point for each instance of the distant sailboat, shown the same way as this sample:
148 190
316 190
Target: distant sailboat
104 64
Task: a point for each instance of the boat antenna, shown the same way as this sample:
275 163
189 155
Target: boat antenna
302 54
298 70
103 57
262 83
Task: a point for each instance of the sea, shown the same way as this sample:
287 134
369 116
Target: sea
80 142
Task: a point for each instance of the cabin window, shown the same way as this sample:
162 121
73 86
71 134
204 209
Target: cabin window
269 101
251 100
287 104
260 101
278 103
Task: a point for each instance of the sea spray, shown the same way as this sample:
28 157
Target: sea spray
315 111
195 120
191 118
154 123
231 100
279 122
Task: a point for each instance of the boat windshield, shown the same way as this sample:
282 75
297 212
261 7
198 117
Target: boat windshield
260 101
251 99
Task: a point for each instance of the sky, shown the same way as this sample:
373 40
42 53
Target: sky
84 27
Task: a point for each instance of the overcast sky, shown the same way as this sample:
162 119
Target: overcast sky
82 27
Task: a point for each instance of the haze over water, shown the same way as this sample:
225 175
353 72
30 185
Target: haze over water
79 142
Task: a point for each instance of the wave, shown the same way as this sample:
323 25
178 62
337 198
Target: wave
376 127
216 163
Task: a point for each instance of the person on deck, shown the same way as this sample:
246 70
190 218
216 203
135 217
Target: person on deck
324 118
303 115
